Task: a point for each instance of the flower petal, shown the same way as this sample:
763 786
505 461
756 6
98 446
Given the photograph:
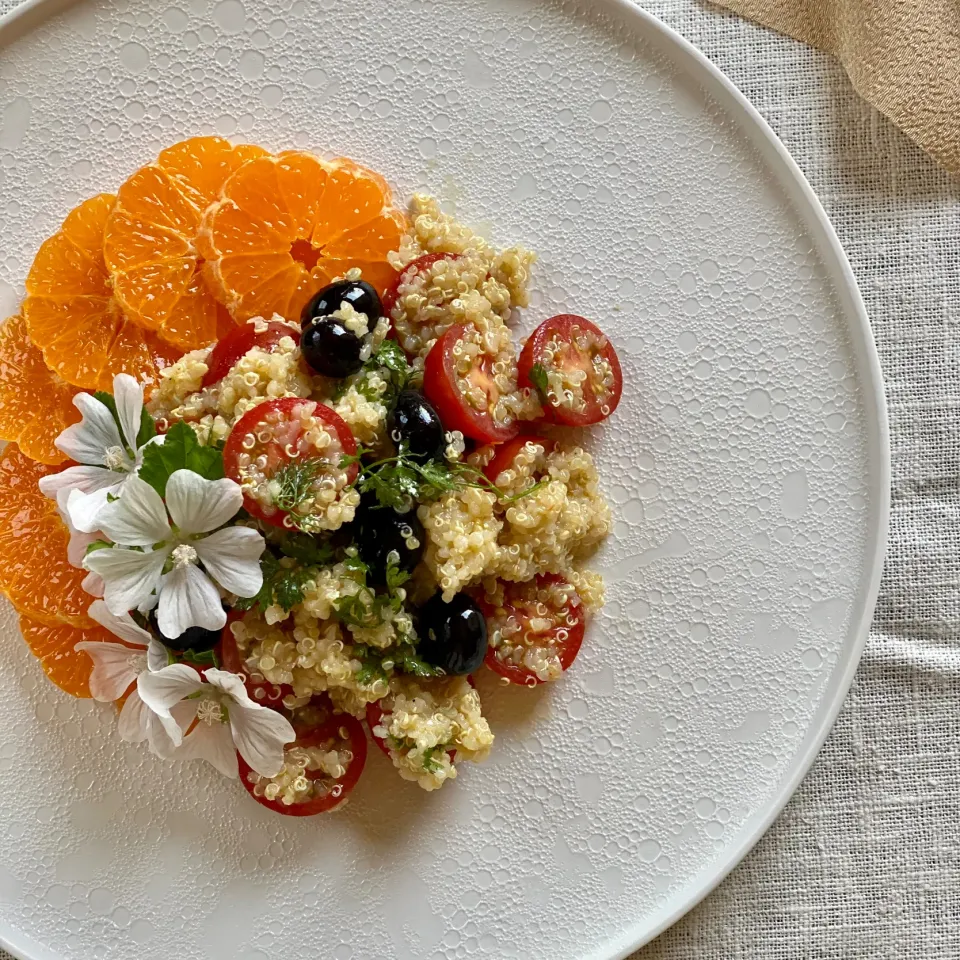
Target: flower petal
114 668
188 599
78 543
229 683
129 576
232 557
213 743
88 440
123 626
128 395
165 734
82 478
162 689
132 726
138 518
92 583
198 505
83 509
260 734
157 657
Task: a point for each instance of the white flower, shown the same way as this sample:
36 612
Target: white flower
79 540
227 719
107 459
164 559
116 667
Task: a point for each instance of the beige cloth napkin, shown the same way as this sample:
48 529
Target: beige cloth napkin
903 56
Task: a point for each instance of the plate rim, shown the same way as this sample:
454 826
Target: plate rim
796 187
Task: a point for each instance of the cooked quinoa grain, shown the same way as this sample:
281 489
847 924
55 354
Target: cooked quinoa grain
424 723
545 515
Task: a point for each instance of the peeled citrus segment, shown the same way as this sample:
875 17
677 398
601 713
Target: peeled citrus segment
35 404
202 164
53 645
288 225
34 572
70 310
150 239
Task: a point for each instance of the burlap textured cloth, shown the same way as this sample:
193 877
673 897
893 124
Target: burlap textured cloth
903 56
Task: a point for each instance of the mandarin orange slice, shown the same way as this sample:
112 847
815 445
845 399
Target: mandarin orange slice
35 404
149 244
288 225
34 572
52 644
71 313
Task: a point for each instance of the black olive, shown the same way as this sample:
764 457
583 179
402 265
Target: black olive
453 636
379 530
416 424
358 293
197 639
331 349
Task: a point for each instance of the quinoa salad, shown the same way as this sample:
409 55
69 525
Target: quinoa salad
337 491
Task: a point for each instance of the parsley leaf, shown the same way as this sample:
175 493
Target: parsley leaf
180 450
389 362
429 758
201 657
148 429
399 481
411 663
283 584
538 377
308 550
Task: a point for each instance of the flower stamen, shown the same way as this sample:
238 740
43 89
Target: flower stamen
183 555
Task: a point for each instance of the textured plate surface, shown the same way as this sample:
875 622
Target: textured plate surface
747 467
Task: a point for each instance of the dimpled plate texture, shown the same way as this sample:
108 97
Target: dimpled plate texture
746 467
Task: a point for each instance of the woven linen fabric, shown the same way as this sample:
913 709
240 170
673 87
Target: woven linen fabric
864 863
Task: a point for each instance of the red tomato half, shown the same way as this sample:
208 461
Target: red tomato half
261 690
335 732
506 452
236 343
389 300
273 431
445 389
576 349
525 654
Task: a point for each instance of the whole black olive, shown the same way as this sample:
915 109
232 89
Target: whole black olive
380 530
415 423
358 293
331 349
453 636
198 639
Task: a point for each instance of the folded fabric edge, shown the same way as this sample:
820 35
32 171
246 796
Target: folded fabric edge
929 54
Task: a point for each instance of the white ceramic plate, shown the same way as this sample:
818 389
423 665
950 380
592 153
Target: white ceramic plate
748 466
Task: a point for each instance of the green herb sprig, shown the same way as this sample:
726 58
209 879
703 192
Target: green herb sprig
287 567
400 481
389 362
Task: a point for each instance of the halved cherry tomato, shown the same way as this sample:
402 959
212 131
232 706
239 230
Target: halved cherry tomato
445 388
505 453
374 716
236 343
261 690
589 367
273 430
331 732
389 298
537 631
